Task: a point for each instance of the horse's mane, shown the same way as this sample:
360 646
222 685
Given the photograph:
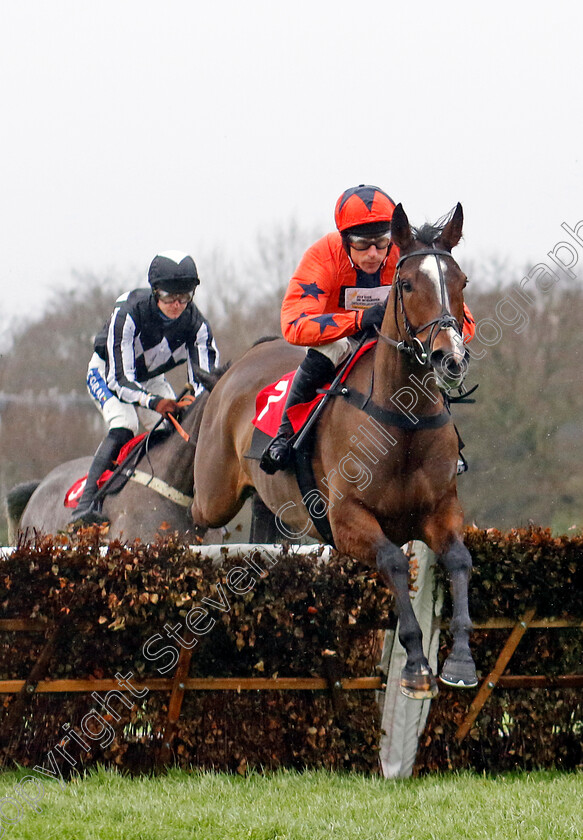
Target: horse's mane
265 338
428 233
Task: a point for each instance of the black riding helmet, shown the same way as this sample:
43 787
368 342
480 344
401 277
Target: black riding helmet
173 271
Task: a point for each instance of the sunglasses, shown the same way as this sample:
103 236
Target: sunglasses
171 297
363 243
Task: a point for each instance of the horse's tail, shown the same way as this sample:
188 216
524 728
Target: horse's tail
16 500
208 379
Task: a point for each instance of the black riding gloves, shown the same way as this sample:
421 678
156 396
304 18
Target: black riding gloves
372 318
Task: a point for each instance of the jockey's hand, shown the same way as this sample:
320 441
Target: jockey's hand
372 318
166 407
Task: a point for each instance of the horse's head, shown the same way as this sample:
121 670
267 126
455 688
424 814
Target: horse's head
429 300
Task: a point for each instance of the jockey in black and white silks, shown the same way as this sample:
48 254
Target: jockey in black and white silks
150 332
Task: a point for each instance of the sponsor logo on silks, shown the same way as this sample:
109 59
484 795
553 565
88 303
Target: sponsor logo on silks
97 387
357 298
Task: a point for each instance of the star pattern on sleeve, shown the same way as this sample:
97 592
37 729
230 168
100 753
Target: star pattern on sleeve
311 290
295 321
325 321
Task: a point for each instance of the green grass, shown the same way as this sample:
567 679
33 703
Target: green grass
297 806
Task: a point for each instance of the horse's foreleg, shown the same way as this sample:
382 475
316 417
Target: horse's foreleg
263 523
200 523
218 495
417 679
459 669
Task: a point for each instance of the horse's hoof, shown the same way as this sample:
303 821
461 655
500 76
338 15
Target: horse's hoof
459 673
419 685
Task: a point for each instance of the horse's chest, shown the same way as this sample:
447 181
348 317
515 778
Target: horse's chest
410 496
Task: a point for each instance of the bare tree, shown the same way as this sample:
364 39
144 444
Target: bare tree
523 436
524 439
243 301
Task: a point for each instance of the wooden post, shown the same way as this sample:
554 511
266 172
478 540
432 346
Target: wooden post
491 680
28 688
238 684
174 705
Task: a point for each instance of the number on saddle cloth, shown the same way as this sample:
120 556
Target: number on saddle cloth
270 404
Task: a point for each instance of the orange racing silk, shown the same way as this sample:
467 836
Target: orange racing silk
322 302
313 310
469 327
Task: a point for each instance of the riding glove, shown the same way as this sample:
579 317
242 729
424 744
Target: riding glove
372 318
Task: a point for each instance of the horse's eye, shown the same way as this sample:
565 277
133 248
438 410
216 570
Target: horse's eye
406 286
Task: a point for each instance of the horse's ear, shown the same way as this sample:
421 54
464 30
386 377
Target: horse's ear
452 232
400 228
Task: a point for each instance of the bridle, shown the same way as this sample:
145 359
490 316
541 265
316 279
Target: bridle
413 346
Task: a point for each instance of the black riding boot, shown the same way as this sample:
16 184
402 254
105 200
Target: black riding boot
314 371
88 511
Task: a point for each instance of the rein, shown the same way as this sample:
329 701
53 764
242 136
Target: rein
412 346
184 435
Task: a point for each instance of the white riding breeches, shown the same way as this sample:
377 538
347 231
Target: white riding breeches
336 351
116 413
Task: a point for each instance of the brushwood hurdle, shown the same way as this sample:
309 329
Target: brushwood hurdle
401 719
525 598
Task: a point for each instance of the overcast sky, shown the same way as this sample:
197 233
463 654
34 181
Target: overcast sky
133 126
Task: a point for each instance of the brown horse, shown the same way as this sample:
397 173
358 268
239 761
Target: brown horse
385 476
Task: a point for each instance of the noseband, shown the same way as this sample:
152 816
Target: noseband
421 350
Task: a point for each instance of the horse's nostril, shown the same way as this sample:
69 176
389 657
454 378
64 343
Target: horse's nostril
449 359
447 365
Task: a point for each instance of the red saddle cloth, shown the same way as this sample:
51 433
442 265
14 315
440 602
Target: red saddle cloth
270 402
75 492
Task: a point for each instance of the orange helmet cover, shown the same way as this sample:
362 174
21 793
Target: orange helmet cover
363 205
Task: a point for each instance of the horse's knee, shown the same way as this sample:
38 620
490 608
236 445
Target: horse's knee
391 562
457 558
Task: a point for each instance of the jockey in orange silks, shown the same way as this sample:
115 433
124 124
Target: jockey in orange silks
338 290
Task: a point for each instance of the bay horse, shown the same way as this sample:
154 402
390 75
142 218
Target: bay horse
386 477
138 511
